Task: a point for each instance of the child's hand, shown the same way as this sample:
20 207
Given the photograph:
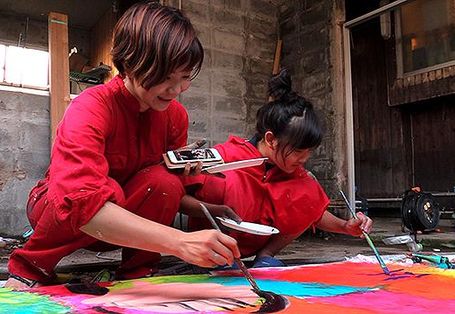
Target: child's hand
223 211
355 226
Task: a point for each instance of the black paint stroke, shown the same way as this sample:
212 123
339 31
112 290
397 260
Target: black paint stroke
100 309
273 302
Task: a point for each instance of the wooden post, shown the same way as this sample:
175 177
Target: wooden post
59 88
276 61
101 42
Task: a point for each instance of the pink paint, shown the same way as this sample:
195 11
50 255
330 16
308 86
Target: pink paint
176 297
415 289
388 302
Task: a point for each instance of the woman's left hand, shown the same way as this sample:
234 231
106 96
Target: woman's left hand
355 226
195 170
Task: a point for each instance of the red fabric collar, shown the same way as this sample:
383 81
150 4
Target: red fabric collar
251 151
127 98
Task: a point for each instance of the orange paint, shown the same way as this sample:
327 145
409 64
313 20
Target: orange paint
303 306
346 274
432 287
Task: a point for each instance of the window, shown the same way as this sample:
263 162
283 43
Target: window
2 62
425 35
24 67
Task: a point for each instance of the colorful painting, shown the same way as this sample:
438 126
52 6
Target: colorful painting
344 287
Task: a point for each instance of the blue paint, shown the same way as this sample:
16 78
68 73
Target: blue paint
297 289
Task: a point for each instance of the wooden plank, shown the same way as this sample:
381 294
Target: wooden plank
438 74
432 75
452 70
434 143
446 72
276 60
379 157
59 88
101 42
418 79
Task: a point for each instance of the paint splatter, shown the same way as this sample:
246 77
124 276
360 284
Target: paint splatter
175 297
25 303
345 287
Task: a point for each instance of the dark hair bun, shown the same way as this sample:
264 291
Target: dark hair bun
280 85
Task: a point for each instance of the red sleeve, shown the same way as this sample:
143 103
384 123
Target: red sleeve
237 148
178 126
79 184
196 182
298 203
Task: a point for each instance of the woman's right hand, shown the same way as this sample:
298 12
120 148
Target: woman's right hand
192 170
208 248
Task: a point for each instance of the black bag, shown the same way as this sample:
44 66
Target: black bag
419 211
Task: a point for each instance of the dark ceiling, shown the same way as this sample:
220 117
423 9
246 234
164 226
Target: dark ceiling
81 13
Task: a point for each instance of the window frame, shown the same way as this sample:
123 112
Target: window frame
20 83
399 53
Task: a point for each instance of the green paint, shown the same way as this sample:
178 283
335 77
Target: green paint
28 303
202 278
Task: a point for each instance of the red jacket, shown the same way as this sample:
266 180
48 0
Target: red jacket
101 142
289 202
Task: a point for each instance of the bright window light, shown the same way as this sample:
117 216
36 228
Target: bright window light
13 65
26 67
2 62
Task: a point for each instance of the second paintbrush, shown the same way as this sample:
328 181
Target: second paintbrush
367 237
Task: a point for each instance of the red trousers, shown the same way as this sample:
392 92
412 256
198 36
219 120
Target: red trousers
152 193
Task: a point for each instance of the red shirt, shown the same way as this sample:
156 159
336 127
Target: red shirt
102 141
289 202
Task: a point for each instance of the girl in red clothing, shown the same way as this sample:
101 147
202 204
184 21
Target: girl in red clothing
103 185
280 193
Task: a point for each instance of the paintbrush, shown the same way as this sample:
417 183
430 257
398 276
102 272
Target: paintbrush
367 237
239 262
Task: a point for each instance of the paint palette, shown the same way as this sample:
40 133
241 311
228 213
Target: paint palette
248 227
235 165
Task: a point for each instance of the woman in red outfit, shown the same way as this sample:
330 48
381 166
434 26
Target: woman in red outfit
279 193
103 188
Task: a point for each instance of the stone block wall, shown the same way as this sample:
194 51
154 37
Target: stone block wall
239 38
312 51
24 154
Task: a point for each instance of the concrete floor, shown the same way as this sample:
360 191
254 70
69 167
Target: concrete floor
308 249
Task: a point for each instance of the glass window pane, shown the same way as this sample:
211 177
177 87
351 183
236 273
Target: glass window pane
2 62
13 64
35 68
428 33
26 67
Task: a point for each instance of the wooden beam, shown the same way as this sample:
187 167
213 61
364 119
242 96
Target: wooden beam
59 88
101 42
276 60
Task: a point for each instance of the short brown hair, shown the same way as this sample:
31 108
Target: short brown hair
151 41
